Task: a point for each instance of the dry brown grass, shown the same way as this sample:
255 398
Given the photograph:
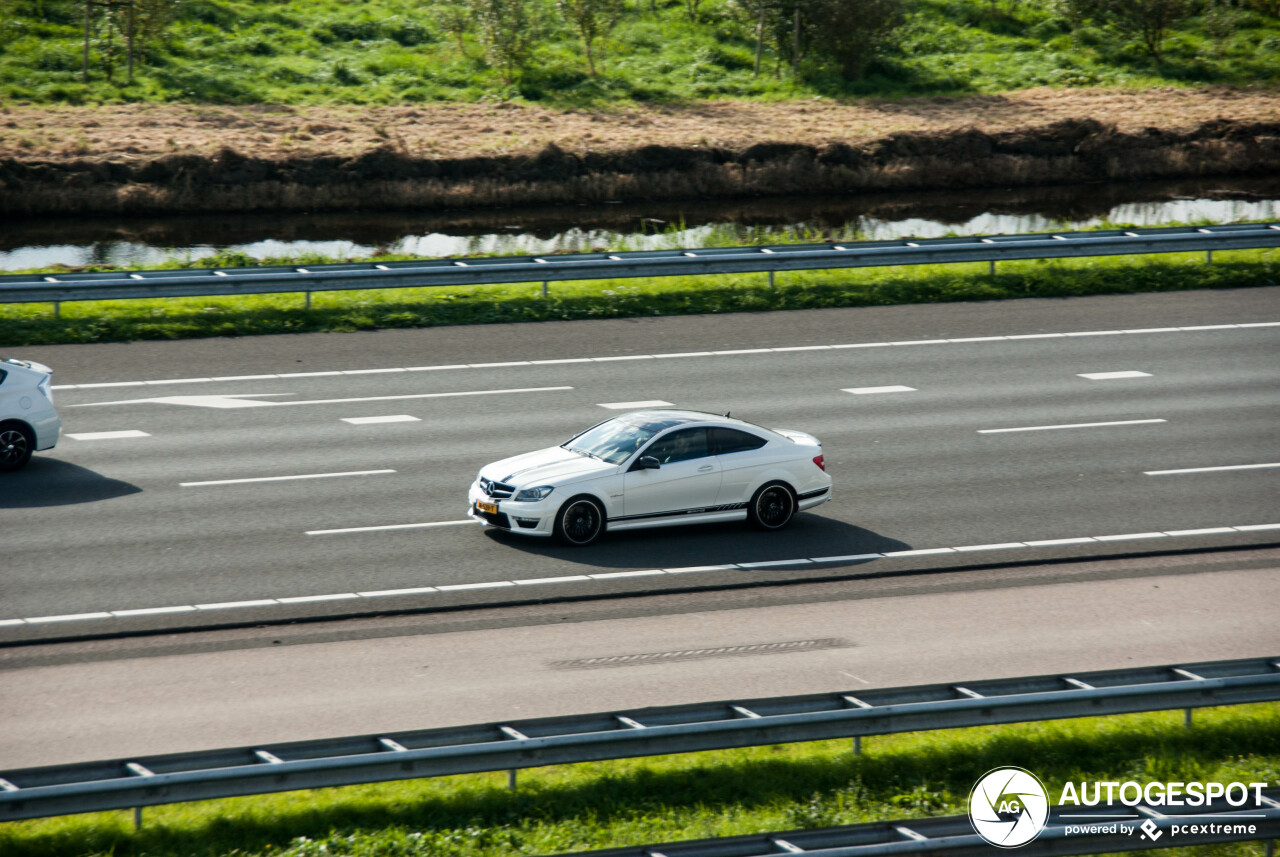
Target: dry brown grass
191 158
125 132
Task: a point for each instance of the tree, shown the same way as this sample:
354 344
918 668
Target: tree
592 19
763 17
852 32
1146 21
137 23
508 30
455 19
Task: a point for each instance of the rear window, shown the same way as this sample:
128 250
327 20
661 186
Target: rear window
726 440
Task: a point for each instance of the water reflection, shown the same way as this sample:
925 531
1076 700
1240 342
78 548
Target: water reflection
148 241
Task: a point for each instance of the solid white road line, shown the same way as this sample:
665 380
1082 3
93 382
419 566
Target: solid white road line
283 478
1114 376
626 406
1210 469
614 575
865 391
390 527
106 435
1072 426
372 421
726 352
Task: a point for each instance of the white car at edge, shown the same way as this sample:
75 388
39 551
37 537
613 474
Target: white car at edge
650 469
28 421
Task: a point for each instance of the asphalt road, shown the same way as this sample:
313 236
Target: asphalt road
1002 450
202 690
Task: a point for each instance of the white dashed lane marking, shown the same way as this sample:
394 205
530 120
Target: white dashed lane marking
1114 376
864 391
283 478
371 421
107 435
390 527
626 406
1211 469
618 575
1071 426
727 352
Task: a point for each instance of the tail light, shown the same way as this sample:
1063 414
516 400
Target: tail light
818 460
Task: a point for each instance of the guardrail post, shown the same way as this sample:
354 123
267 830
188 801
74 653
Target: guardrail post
1208 257
308 306
511 779
1186 718
771 279
1271 848
57 309
544 288
991 268
857 745
137 818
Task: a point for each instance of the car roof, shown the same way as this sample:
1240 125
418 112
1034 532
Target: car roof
660 419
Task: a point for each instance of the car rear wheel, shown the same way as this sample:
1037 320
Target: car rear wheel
772 507
16 444
579 521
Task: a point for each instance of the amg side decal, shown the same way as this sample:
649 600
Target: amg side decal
681 512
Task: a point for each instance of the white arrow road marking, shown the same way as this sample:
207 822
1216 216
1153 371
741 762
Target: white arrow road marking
244 400
230 400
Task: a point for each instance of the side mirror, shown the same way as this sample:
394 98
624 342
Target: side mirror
647 462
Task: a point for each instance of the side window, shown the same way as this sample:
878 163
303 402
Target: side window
724 441
680 445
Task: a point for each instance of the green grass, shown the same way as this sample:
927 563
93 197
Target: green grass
652 800
178 318
395 51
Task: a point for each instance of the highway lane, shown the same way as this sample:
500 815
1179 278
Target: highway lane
107 525
202 690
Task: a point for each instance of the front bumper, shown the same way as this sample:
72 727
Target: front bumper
527 519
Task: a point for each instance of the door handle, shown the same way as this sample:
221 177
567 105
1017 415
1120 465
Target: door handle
706 467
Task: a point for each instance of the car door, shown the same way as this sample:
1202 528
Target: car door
740 463
686 480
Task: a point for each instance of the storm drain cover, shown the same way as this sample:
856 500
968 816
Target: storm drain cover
780 648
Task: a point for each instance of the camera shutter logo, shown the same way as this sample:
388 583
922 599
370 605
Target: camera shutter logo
1008 807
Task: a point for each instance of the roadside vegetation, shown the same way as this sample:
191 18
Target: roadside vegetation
671 798
606 52
178 318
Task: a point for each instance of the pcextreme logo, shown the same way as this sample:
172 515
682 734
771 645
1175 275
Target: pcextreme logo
1008 807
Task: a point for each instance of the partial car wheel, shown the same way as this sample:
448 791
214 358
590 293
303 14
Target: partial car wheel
579 521
772 507
16 444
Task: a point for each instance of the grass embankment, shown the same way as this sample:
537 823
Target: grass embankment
399 51
654 800
177 318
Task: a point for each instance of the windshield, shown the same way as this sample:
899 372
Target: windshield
614 441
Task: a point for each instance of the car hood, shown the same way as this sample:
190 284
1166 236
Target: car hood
551 466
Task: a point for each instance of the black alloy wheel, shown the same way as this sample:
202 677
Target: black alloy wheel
15 447
579 522
772 507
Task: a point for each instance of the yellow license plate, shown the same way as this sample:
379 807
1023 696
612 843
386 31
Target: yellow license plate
491 508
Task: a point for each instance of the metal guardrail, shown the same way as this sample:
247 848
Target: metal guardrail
115 285
147 781
955 835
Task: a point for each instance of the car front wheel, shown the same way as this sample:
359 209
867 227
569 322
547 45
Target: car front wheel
772 507
579 522
16 444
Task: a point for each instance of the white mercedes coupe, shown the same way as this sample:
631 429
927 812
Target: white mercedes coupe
650 469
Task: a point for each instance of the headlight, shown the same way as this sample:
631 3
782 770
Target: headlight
532 495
